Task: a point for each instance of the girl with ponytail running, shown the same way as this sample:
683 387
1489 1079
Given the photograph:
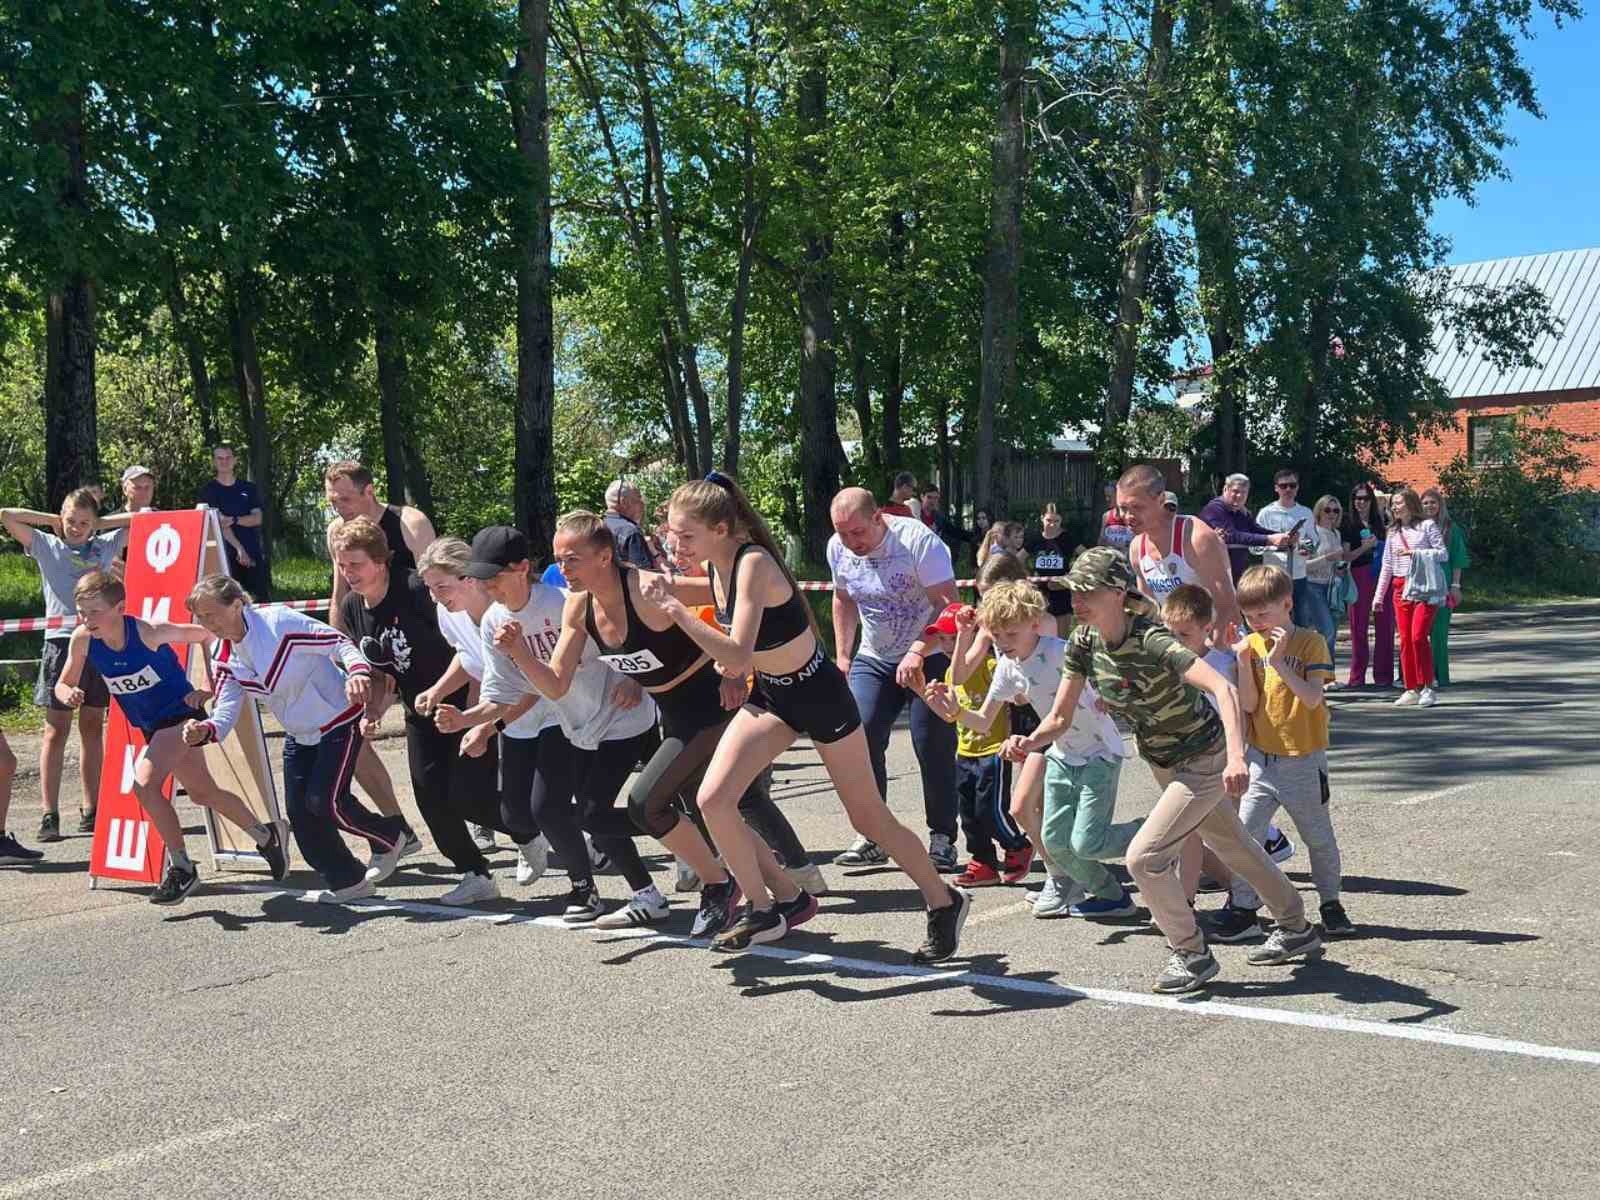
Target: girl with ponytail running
798 690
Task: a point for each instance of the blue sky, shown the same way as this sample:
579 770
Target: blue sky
1552 200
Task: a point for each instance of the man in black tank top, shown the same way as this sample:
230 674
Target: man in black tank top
347 487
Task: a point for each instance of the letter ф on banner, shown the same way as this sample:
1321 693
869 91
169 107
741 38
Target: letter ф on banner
163 563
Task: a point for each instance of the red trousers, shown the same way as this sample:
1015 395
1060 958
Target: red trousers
1415 622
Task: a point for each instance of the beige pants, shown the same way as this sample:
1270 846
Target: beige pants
1193 802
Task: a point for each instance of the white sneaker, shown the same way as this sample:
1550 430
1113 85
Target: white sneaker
412 845
684 878
356 891
1428 698
384 865
1057 897
646 908
472 888
1406 697
483 838
533 859
809 879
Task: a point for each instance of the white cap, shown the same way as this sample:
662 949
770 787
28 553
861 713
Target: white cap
135 471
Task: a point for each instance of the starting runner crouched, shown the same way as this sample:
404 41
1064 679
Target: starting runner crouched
144 677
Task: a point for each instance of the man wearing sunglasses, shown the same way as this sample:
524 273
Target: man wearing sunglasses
1287 515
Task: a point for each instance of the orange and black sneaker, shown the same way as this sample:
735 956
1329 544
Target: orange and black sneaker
1016 865
978 874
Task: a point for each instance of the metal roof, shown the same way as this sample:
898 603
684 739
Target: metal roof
1571 281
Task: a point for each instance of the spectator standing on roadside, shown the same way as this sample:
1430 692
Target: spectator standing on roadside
1435 508
238 506
1287 515
1239 531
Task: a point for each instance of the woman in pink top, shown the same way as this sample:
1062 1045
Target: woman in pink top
1409 533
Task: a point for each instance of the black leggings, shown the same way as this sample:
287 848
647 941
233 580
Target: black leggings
550 785
451 790
693 721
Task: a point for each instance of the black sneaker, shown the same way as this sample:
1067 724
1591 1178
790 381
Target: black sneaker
583 906
1230 925
86 821
754 926
944 928
177 884
717 902
14 854
273 852
1334 921
50 827
799 910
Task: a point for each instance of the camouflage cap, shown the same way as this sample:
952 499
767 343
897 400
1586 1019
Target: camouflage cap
1101 567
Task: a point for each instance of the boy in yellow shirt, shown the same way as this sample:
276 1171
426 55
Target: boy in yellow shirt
1282 670
983 778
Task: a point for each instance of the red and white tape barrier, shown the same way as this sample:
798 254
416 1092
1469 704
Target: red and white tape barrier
38 624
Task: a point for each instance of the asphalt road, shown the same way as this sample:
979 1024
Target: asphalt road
249 1043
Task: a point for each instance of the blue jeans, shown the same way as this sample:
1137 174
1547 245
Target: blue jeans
1318 614
316 790
881 700
1302 601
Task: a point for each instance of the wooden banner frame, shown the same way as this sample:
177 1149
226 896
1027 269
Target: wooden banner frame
239 763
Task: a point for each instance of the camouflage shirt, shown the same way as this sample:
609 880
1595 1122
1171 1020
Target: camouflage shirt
1141 682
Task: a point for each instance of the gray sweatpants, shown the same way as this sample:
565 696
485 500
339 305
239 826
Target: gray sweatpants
1299 783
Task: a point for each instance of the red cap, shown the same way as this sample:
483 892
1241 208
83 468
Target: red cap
946 622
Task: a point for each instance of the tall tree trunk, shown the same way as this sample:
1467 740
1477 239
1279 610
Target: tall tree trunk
894 376
71 442
1135 269
861 398
749 228
1217 237
668 362
678 422
244 312
1308 421
1003 261
667 226
194 353
820 452
406 475
533 475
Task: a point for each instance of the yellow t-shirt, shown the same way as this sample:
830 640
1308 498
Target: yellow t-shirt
1281 723
970 743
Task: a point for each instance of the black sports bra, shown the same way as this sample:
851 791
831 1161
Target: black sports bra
780 624
652 657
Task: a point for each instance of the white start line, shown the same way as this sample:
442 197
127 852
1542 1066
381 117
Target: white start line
1324 1022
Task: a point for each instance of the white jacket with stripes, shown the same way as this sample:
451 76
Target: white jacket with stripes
287 661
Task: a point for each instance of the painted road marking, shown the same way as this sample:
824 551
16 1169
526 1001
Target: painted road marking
1035 987
132 1158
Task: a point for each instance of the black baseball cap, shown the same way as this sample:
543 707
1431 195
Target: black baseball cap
496 548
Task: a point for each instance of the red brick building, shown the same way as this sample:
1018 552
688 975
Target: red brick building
1568 382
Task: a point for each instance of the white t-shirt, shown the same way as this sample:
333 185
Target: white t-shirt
465 638
1037 679
1226 664
586 713
1280 520
890 584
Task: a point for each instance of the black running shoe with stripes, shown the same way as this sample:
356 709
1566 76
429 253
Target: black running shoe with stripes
717 904
799 910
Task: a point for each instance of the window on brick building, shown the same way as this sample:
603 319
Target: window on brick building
1484 435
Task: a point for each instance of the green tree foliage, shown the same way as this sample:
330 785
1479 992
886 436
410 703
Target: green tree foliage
816 240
